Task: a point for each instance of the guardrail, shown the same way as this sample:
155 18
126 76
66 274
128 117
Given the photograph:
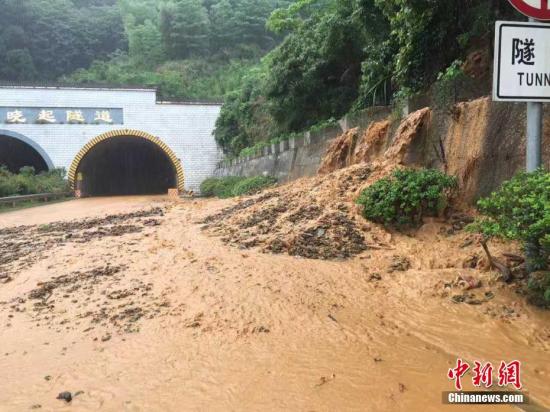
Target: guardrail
14 200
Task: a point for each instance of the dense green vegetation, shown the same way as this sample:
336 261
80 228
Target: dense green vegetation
520 210
26 182
44 39
407 196
187 48
324 57
232 186
343 55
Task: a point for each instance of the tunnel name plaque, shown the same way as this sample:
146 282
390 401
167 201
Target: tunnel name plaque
61 115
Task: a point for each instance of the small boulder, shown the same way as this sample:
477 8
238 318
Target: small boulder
65 396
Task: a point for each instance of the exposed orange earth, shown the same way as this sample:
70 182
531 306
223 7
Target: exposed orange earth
150 310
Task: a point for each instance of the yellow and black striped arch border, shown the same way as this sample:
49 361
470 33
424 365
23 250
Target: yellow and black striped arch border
126 133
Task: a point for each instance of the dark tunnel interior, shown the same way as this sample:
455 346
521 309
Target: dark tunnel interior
15 154
126 166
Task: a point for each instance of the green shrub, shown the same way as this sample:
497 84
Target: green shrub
253 185
224 188
208 186
27 182
407 196
539 284
230 186
220 187
520 210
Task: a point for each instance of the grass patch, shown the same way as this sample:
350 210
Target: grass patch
232 186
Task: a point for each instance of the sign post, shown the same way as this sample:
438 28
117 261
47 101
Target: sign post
534 134
522 74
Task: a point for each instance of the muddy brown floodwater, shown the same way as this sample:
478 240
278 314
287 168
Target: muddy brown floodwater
136 307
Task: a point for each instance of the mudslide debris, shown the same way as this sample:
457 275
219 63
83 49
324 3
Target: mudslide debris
312 218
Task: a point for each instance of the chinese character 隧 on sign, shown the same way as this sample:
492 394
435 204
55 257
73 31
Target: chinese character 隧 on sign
15 117
75 116
523 51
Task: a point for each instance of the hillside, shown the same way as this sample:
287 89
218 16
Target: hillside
188 49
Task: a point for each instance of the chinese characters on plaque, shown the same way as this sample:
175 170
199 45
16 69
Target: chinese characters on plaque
45 116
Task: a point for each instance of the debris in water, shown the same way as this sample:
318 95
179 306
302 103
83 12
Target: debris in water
399 264
325 379
65 396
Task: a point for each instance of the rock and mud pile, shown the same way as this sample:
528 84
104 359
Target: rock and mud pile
312 218
316 217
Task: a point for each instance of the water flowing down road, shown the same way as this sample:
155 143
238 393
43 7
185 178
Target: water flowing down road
132 305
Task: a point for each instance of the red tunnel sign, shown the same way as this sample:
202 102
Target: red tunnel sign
537 9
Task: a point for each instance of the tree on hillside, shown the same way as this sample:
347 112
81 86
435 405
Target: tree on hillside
184 26
145 46
315 73
55 37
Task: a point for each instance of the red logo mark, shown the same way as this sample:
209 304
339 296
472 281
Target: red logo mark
458 372
509 374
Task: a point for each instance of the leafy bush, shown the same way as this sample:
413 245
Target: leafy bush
27 182
224 188
209 186
253 185
520 210
230 186
405 197
220 187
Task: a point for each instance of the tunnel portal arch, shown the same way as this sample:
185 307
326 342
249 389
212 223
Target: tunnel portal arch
126 134
22 151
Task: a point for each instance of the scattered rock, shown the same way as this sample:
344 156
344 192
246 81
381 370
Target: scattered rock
324 379
261 329
22 246
471 261
65 396
399 264
466 282
375 277
468 298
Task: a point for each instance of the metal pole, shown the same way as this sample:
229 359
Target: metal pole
534 134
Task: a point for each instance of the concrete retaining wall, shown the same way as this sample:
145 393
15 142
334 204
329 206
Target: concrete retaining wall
297 157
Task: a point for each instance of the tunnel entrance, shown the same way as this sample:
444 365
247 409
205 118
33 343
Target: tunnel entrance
15 154
126 165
